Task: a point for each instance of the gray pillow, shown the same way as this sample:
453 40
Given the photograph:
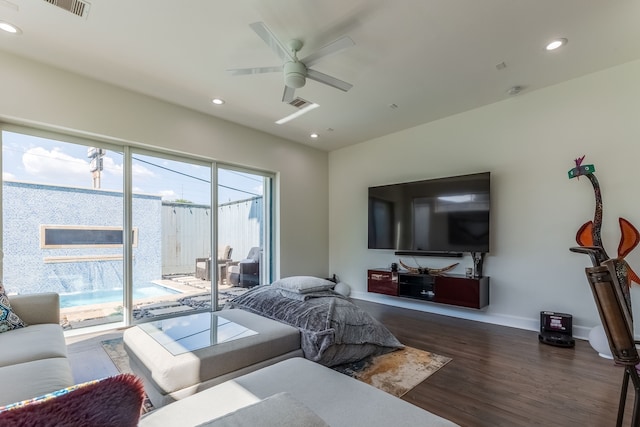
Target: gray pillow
303 284
279 410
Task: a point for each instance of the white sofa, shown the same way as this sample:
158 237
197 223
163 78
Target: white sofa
292 393
34 361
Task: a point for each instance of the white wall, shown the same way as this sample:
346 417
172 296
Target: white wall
50 98
528 143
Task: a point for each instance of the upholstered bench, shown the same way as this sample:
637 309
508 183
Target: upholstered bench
340 401
173 362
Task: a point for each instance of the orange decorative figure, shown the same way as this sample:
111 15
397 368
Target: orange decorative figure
589 234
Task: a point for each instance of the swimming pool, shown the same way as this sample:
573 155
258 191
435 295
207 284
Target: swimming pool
112 295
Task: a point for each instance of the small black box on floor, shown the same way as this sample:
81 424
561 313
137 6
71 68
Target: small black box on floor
556 329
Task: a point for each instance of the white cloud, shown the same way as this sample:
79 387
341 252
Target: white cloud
8 176
139 171
54 164
110 166
168 194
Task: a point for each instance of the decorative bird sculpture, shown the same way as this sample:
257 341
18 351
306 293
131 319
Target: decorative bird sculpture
589 234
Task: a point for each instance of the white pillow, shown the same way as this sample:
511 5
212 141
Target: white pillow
303 284
343 289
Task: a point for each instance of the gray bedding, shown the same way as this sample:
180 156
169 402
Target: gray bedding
333 329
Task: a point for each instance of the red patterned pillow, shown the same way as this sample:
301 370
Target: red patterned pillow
110 402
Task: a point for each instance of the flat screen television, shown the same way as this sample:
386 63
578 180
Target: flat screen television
444 216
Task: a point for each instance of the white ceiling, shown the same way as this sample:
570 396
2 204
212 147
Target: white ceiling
432 58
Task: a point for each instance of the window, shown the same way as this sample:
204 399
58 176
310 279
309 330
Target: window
69 236
66 201
244 229
62 223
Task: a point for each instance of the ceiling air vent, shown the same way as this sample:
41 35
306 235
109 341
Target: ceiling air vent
300 103
77 7
303 107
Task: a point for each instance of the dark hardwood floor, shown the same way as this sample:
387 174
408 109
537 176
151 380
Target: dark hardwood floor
502 376
499 376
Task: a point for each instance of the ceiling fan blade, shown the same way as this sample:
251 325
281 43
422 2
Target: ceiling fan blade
272 41
330 49
256 70
328 80
287 95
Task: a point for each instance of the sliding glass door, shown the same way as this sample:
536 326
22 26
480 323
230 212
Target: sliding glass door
129 235
172 222
62 206
244 231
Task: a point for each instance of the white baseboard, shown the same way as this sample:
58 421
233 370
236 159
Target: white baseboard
579 332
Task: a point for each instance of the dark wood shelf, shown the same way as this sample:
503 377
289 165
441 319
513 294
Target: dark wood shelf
457 290
382 282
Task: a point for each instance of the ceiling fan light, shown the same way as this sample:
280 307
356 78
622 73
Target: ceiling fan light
295 74
294 81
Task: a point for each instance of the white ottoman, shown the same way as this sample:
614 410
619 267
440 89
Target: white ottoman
169 377
339 400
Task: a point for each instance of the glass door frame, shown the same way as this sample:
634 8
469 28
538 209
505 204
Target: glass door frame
76 139
270 206
269 231
193 160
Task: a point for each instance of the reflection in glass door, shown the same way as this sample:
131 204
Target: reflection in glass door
65 204
244 230
171 250
62 214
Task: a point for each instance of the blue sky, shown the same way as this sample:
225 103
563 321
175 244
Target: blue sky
33 159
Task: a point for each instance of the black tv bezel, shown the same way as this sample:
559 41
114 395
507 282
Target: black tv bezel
436 253
444 254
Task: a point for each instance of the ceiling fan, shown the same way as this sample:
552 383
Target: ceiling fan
296 71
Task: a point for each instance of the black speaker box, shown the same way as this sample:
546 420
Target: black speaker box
556 329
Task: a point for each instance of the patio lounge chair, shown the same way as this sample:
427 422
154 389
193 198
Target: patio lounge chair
246 273
203 265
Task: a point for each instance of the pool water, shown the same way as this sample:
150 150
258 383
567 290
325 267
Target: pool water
112 295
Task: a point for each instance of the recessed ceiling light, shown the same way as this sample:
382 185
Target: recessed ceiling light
314 135
217 101
555 44
514 90
9 28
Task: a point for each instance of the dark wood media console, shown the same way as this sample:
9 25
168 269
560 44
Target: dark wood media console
462 291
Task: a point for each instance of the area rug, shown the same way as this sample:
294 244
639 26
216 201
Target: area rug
115 350
397 372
